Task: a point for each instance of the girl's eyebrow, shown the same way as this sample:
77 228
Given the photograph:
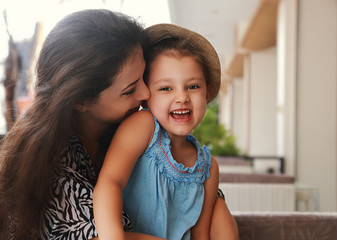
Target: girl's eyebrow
161 81
131 84
196 79
169 80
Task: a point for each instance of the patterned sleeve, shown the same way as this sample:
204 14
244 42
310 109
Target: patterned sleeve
220 194
70 213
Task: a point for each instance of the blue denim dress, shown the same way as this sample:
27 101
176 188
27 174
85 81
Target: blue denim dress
163 198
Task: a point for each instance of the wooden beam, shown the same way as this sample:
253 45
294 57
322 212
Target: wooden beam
260 34
236 66
262 30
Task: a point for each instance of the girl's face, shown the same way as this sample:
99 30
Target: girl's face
178 93
124 96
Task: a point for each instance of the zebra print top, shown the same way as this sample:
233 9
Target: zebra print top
70 213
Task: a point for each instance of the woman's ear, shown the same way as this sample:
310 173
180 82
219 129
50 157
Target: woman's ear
81 107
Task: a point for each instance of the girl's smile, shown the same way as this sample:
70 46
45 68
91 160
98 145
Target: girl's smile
181 115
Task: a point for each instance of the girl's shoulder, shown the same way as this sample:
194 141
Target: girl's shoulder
139 126
139 118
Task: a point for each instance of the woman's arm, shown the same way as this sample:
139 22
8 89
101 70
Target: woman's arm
202 228
129 142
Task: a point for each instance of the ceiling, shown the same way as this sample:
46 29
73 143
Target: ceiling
215 19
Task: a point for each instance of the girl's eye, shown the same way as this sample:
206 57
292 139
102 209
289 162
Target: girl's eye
193 87
165 89
130 92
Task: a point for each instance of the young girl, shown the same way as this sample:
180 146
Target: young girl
172 187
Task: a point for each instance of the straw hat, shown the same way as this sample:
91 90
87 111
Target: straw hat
160 32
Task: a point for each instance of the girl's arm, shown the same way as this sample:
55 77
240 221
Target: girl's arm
223 224
202 228
128 144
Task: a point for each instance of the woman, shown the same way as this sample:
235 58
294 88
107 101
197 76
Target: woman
89 78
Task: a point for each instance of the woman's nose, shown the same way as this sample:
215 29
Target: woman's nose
144 93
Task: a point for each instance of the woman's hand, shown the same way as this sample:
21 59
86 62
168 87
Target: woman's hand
135 236
140 236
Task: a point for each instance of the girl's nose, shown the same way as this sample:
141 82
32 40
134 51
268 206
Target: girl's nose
182 96
144 92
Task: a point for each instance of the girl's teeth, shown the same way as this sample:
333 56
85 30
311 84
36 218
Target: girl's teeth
180 112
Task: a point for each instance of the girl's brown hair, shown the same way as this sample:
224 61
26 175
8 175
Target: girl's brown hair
81 57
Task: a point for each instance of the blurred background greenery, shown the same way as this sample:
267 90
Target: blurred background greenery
214 135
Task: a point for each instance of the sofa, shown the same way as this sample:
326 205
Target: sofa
264 205
286 225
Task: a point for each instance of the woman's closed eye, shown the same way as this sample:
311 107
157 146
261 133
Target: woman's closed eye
131 91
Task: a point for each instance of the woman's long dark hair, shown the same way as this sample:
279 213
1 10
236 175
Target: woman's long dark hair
81 57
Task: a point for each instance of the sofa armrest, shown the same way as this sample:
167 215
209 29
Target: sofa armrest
286 225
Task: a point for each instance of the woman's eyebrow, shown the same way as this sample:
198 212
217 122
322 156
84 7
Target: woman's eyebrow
131 84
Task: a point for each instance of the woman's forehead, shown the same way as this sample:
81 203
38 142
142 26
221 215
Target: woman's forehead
132 70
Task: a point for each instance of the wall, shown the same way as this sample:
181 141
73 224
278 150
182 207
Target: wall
316 98
263 103
287 83
238 113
